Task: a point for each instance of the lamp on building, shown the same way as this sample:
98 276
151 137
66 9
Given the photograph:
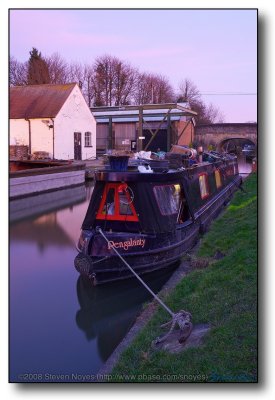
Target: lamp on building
48 123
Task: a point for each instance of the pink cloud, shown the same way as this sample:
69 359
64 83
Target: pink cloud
84 39
43 28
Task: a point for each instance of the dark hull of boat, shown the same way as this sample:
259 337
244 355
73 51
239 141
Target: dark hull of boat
112 268
160 251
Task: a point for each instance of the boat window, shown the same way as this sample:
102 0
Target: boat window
109 205
117 203
204 188
168 198
218 178
126 197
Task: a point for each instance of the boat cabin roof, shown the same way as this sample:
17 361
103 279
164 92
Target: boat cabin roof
150 192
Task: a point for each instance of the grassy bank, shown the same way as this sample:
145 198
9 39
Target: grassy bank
224 295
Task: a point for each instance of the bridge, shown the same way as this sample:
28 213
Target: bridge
223 135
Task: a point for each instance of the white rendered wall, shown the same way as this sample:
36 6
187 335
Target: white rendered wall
41 135
19 132
74 116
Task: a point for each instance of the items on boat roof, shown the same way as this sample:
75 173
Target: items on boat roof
178 157
143 155
145 169
189 151
156 165
181 156
118 163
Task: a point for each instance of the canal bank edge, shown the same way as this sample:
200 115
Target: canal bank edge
41 180
144 317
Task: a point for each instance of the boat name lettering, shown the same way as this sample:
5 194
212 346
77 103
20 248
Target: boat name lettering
126 244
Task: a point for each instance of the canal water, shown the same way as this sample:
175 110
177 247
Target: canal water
61 328
245 166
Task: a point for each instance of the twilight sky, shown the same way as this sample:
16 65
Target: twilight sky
216 49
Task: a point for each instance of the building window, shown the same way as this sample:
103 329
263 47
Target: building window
218 178
88 139
204 188
168 198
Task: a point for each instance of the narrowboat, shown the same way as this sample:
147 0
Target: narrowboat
151 216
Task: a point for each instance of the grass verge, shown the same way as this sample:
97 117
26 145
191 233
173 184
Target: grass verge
224 295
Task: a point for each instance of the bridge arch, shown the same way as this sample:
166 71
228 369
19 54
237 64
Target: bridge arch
234 143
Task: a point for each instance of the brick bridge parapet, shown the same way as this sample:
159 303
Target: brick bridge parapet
217 134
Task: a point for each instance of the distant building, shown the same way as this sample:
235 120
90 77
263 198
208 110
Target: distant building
54 119
144 127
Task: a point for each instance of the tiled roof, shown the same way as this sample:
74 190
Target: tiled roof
38 101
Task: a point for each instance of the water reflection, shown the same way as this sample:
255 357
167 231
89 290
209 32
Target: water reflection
107 312
42 203
43 232
245 167
59 324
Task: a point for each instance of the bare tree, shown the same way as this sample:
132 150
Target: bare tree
75 72
143 92
84 76
17 72
104 80
125 78
206 114
58 69
213 114
114 81
188 91
162 91
152 88
88 88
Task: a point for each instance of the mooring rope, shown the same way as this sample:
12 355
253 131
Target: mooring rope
182 318
136 275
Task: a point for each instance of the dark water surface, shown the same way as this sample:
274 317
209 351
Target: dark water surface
59 324
245 167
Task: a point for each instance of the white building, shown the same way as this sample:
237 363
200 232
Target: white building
54 119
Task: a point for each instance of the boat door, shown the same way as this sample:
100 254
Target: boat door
77 146
184 212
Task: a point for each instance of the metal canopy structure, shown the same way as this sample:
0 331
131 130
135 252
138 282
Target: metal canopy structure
141 114
148 110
